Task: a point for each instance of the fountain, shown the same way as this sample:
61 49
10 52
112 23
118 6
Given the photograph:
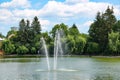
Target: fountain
57 49
46 53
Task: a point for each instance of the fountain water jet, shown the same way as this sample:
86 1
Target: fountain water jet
57 49
46 52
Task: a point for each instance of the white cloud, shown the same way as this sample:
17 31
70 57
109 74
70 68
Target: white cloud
88 23
6 16
16 4
53 8
85 26
76 1
61 9
117 11
13 17
58 11
44 24
25 13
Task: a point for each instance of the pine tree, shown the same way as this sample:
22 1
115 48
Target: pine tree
101 27
21 32
74 30
36 27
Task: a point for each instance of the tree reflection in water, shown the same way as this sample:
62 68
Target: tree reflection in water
103 77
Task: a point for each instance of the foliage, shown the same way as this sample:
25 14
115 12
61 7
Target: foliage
8 47
116 27
59 26
80 43
1 36
73 30
101 27
76 44
36 27
71 44
93 48
33 50
118 47
47 38
21 50
51 48
114 43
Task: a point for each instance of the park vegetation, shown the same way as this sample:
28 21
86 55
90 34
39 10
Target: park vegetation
103 37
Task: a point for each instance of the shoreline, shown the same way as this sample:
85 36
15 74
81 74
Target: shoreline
20 56
37 55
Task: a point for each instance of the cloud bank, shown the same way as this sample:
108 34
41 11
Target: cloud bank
12 12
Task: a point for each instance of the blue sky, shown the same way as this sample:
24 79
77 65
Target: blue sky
51 12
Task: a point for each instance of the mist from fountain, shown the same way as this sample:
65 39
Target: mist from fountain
57 47
46 52
58 51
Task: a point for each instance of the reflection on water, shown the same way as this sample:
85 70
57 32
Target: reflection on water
103 77
21 60
69 68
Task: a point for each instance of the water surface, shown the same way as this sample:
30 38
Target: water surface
69 68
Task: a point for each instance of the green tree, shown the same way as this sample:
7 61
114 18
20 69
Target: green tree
33 50
35 33
109 18
75 45
92 48
76 41
73 30
36 27
114 43
46 36
21 50
11 33
71 44
27 33
116 27
58 27
80 43
51 48
118 47
101 27
21 32
22 25
8 47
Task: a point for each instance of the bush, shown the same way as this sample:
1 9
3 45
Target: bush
8 47
118 47
93 47
113 45
21 50
80 43
33 50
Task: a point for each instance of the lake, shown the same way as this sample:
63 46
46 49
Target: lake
68 68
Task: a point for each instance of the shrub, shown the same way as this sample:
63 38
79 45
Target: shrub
8 47
33 50
93 47
21 50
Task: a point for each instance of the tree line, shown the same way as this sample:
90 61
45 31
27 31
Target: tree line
103 37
